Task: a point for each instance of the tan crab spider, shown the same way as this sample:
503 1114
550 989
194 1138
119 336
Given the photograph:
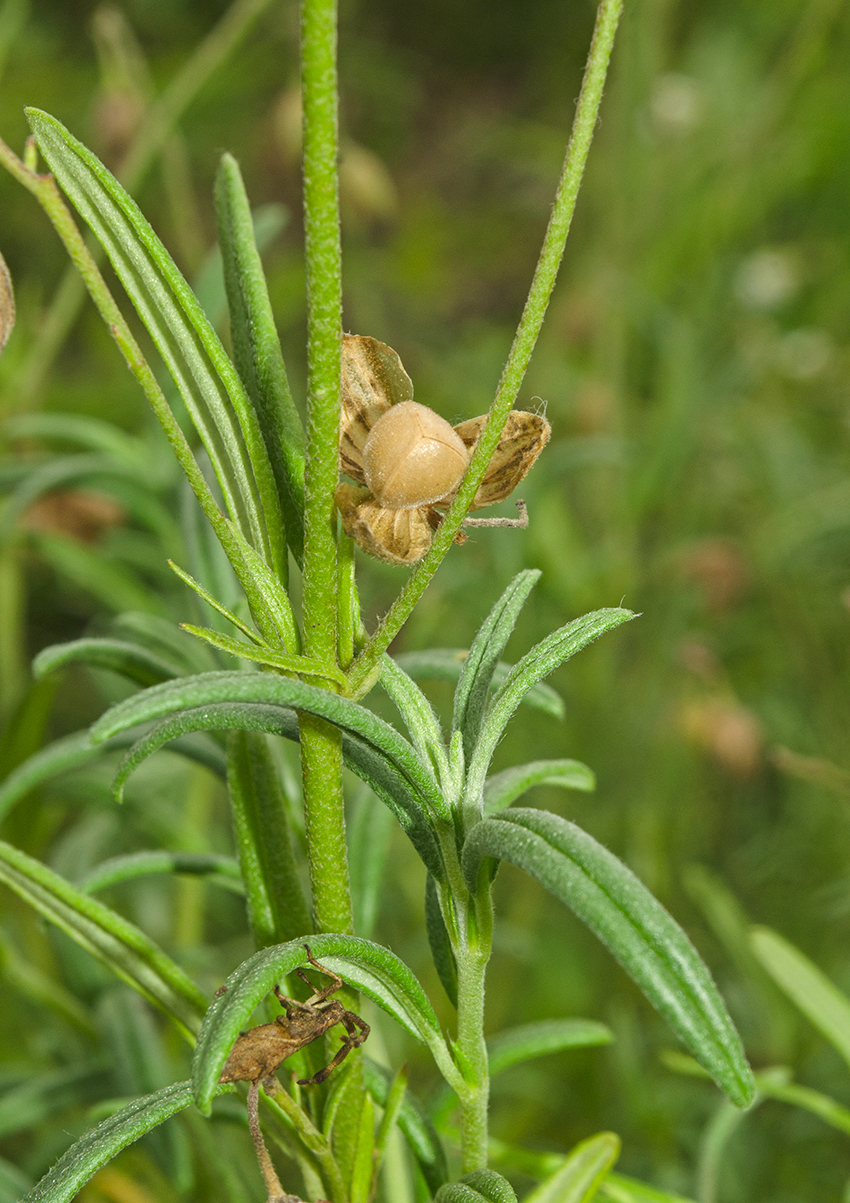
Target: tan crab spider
409 461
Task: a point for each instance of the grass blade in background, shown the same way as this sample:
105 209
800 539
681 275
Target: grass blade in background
583 1172
277 910
633 925
502 789
256 348
118 944
807 986
516 1045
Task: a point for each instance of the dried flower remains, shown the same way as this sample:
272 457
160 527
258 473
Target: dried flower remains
409 462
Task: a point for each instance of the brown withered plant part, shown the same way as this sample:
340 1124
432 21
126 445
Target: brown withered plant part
393 514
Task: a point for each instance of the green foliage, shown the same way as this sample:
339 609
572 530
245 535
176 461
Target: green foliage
697 469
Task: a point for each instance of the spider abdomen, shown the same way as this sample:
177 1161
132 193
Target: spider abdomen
412 457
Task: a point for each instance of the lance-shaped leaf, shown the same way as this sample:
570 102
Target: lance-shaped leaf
118 944
131 660
585 1169
256 347
636 928
76 750
370 968
827 1007
618 1188
276 906
502 789
446 664
193 354
531 1040
219 870
416 1127
476 676
371 765
439 942
418 715
86 1156
536 664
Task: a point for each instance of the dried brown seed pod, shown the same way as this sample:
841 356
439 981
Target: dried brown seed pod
7 303
410 460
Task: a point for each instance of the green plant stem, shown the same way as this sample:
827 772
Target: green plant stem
321 745
154 132
528 330
472 956
312 1140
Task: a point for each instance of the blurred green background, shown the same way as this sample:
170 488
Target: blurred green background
694 368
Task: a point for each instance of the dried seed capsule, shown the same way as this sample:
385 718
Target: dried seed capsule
7 304
412 457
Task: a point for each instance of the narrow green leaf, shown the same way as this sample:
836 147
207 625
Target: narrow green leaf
418 715
205 377
807 986
621 1189
277 910
446 664
116 586
536 664
473 687
418 1131
262 654
256 348
265 689
481 1186
368 831
213 602
62 756
119 945
219 870
368 762
772 1085
391 1107
502 789
33 1102
92 433
638 931
77 750
583 1172
370 968
118 655
361 1171
164 638
94 1150
540 1039
14 1183
442 952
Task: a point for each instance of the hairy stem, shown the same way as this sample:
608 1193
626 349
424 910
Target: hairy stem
321 745
587 111
472 956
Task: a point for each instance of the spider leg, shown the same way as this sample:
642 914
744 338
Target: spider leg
352 1039
320 995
